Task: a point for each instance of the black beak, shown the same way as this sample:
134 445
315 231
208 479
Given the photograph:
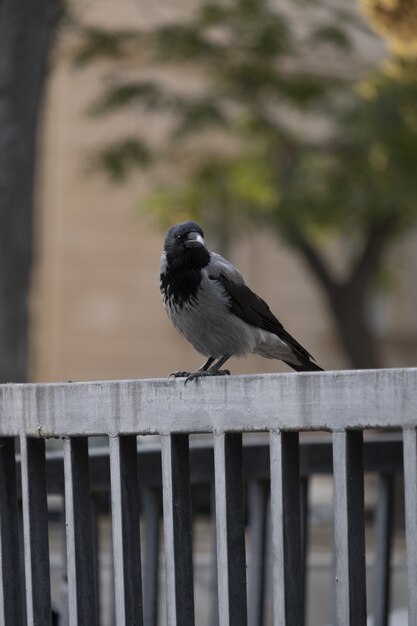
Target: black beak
194 240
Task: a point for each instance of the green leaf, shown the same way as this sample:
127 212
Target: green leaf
177 42
332 34
213 14
123 95
97 43
197 115
119 158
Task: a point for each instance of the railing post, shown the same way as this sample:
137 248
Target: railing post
287 566
79 534
410 485
35 531
125 528
10 582
349 528
230 529
383 545
177 530
151 520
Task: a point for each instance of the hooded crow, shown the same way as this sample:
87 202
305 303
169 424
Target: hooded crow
208 301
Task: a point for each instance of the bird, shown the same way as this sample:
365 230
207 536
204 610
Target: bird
209 303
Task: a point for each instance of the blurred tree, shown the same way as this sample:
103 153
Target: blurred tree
258 80
26 30
396 20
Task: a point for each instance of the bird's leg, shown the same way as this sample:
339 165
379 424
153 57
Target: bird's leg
200 370
215 370
206 370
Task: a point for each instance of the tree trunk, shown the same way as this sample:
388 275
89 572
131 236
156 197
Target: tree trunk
349 309
26 31
348 301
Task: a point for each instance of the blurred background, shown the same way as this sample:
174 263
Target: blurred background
287 129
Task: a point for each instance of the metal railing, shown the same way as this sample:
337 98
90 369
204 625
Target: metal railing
282 406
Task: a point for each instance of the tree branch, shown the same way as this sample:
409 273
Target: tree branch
368 261
313 258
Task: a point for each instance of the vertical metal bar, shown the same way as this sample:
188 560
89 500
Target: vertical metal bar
95 525
63 599
151 517
349 528
304 486
111 593
35 531
383 547
230 529
80 566
410 488
126 534
257 505
287 572
214 608
21 551
10 587
177 530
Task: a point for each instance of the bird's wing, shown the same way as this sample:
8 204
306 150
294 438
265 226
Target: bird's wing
220 266
246 305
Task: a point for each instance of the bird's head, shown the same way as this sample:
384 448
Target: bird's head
185 243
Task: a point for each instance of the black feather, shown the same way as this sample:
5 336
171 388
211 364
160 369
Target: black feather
250 308
178 287
181 279
306 366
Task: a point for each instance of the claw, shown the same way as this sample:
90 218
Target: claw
221 373
209 372
196 375
179 374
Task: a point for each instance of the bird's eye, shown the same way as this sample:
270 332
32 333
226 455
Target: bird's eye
179 237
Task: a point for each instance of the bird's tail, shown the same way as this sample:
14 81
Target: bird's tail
305 366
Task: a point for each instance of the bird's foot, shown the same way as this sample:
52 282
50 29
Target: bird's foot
219 373
195 375
180 374
209 372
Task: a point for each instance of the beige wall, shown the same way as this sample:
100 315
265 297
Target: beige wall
97 312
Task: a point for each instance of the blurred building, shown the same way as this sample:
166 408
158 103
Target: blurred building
97 311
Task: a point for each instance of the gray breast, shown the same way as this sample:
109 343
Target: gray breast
206 322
